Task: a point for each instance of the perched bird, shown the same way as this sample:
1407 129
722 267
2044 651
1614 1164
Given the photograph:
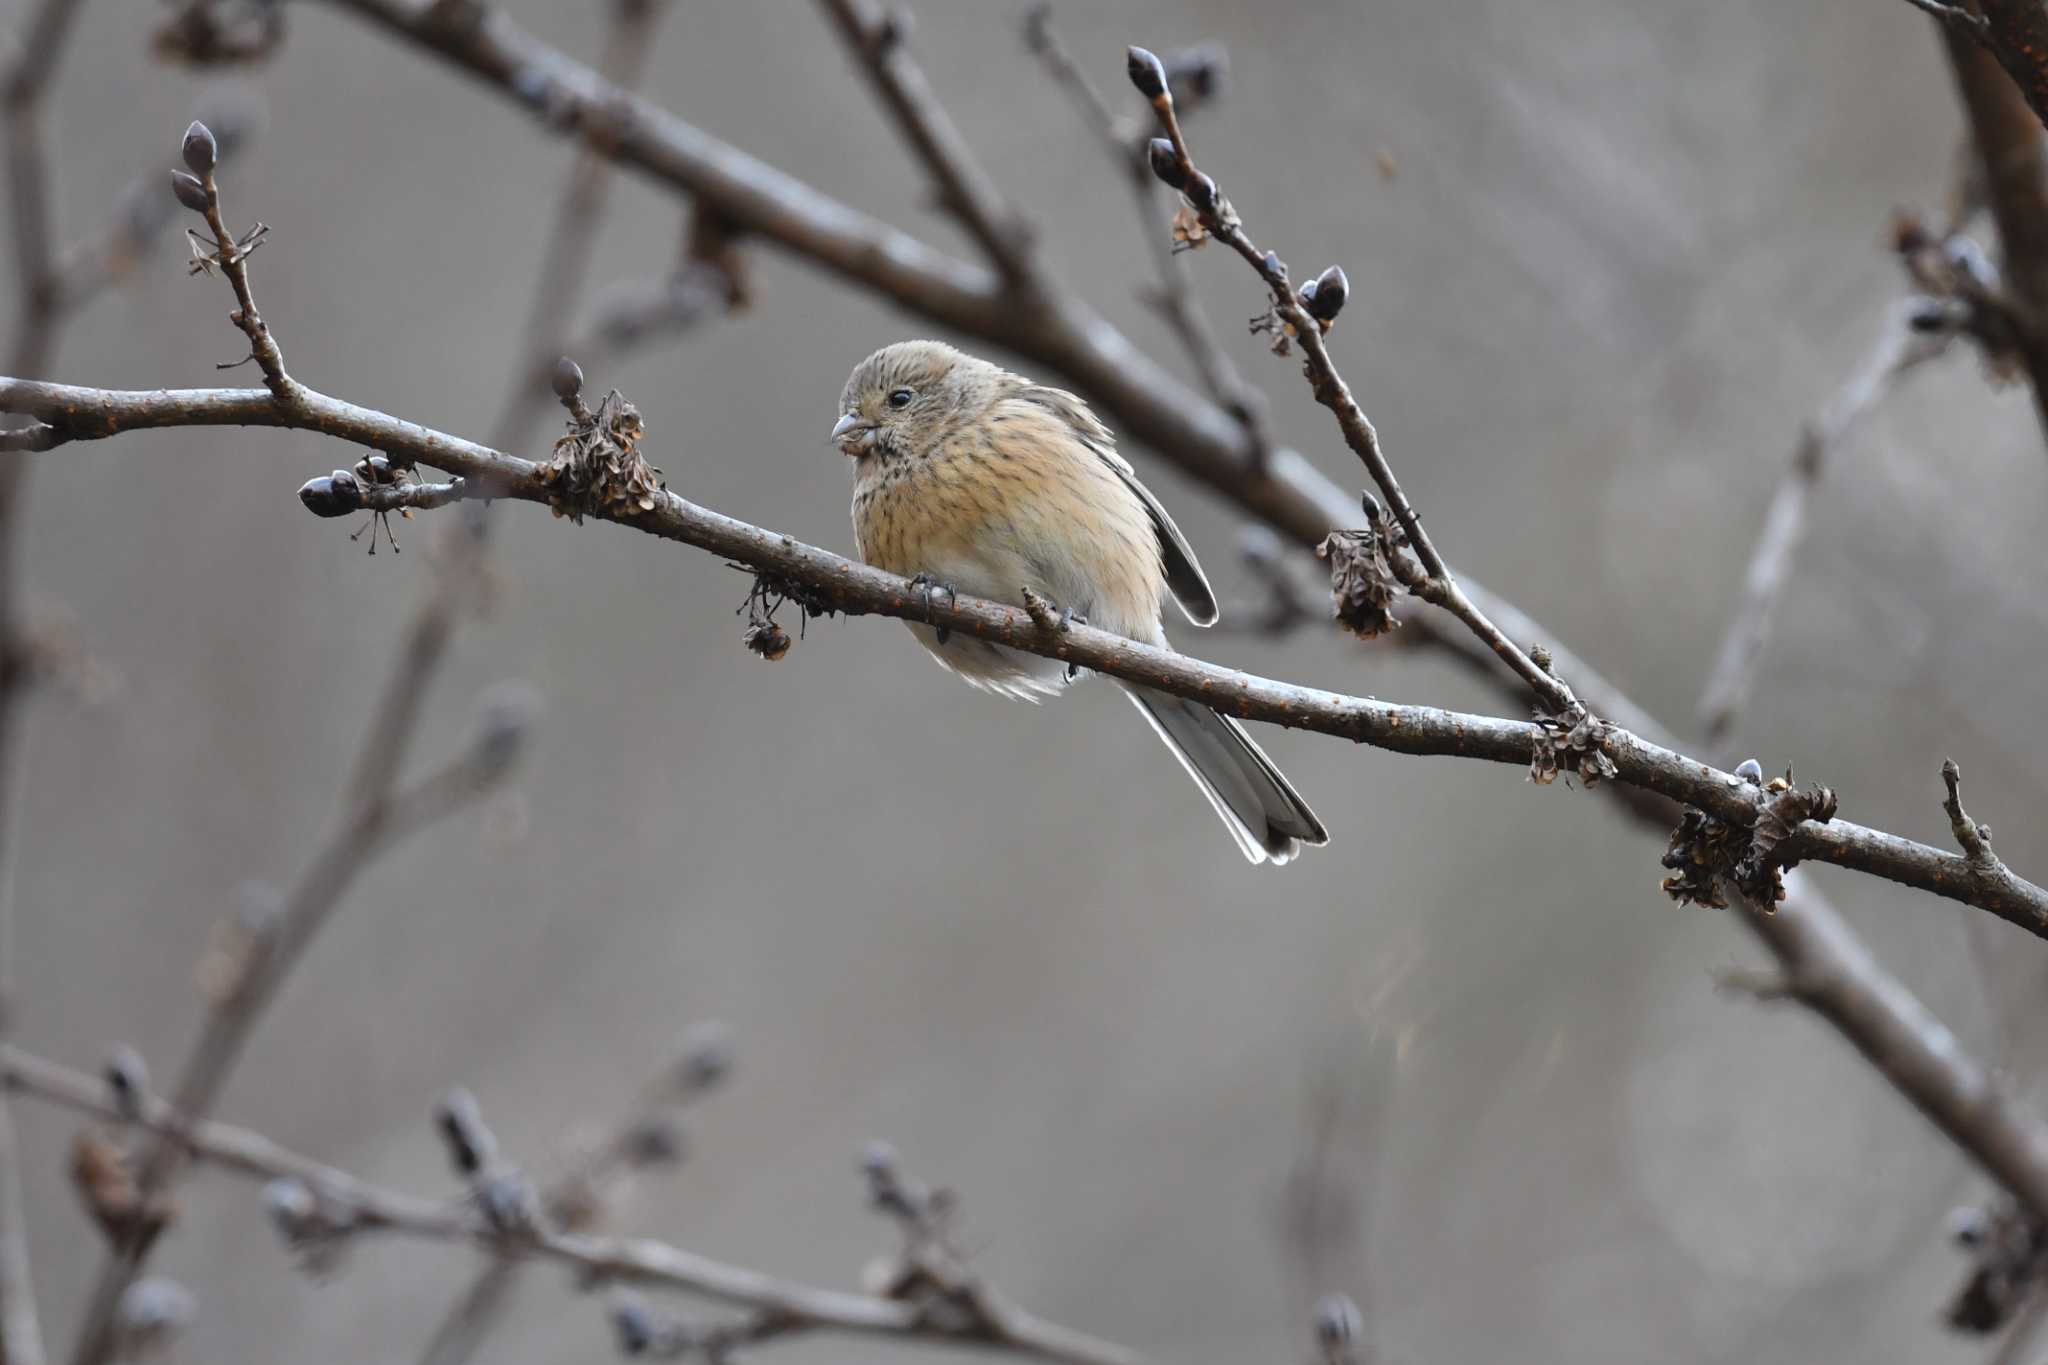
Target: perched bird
970 478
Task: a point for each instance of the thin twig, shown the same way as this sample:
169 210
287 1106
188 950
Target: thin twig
1306 329
636 1260
35 338
880 45
239 1005
1175 296
1896 351
2010 147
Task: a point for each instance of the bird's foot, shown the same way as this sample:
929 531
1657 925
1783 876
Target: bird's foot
928 586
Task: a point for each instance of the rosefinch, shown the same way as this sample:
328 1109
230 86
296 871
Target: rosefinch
969 477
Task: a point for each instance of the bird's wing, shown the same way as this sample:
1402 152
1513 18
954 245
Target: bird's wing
1183 572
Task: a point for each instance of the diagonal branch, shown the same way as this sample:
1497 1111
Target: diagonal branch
1897 350
880 45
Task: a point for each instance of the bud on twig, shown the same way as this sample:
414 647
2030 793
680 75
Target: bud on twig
1146 71
1750 771
568 378
505 722
128 1079
470 1144
1165 164
1338 1327
1201 192
1325 295
200 150
190 192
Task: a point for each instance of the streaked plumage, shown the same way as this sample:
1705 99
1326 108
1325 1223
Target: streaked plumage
991 484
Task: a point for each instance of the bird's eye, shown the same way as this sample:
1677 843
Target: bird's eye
899 398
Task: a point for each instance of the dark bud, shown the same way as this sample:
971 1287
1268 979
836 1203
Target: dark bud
654 1142
1201 72
190 192
470 1144
1373 510
878 1161
1165 164
707 1057
568 378
893 30
1750 771
1201 192
200 150
1338 1324
152 1311
1147 72
292 1207
128 1080
1324 296
321 499
632 1325
504 723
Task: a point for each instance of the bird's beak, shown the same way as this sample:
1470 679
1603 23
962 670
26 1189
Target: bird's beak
847 424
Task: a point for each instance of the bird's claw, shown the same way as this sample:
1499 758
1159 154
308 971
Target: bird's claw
927 585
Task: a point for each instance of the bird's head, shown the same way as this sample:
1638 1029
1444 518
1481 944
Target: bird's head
902 400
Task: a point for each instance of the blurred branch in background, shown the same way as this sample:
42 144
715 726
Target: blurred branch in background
1900 346
1987 61
320 1210
51 285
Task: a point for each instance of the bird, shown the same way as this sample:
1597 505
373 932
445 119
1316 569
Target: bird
968 478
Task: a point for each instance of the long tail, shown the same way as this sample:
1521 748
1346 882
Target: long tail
1265 814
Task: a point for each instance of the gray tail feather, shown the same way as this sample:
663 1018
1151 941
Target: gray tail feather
1265 814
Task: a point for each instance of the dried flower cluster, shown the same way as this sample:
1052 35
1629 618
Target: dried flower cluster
1571 744
1705 848
597 465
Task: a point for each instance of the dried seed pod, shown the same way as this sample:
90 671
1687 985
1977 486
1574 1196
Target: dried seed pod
190 192
1165 164
201 152
1147 72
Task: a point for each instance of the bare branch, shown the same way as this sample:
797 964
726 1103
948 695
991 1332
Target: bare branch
2009 142
1897 350
830 582
1175 296
372 1209
241 999
880 45
1305 317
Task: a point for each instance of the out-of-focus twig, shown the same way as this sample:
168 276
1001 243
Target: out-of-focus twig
1899 347
2009 141
272 945
353 1206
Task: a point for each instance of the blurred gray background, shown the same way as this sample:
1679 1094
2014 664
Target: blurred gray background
1627 249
